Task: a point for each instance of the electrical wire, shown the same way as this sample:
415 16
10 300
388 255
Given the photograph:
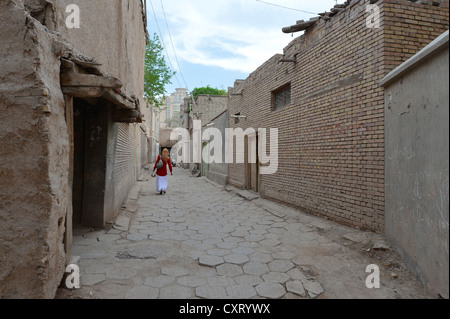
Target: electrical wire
163 43
280 6
173 46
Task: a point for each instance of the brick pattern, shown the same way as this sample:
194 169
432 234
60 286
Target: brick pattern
208 107
409 27
331 137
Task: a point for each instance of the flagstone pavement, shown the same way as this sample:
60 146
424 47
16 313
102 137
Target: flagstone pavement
203 240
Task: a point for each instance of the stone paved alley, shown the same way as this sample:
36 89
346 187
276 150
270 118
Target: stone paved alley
202 240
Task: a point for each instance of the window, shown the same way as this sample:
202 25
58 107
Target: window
281 97
237 118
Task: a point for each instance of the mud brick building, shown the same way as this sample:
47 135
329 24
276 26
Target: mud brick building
324 96
71 143
211 110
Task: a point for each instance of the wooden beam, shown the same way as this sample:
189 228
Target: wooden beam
116 98
68 235
300 26
82 92
335 10
89 80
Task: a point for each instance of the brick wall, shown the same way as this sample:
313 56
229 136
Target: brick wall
331 136
208 107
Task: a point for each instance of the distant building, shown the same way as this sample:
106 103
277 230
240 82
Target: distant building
172 107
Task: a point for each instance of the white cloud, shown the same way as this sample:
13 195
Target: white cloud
236 35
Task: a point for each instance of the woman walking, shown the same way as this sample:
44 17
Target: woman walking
161 171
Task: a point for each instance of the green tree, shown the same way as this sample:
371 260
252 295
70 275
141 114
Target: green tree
208 90
157 73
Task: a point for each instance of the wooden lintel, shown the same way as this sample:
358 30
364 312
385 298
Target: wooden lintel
126 116
129 120
88 80
126 113
116 98
82 92
67 64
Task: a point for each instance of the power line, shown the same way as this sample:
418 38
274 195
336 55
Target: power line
173 46
280 6
164 44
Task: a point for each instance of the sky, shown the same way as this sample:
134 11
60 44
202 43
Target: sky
215 42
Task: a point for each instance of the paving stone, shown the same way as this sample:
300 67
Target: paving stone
270 290
175 271
283 255
243 250
240 233
258 232
236 259
269 242
261 257
195 254
159 219
296 287
109 237
254 238
281 265
122 223
192 281
357 237
210 292
248 280
296 274
92 254
256 268
145 252
229 270
227 245
213 241
279 225
219 252
95 267
278 277
211 261
221 281
121 272
234 240
313 287
175 292
241 291
142 292
92 279
159 281
293 226
137 237
86 241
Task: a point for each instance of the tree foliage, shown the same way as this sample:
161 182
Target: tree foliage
157 74
208 91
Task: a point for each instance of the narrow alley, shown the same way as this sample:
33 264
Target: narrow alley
202 240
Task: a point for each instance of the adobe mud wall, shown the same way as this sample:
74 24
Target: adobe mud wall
35 195
34 158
